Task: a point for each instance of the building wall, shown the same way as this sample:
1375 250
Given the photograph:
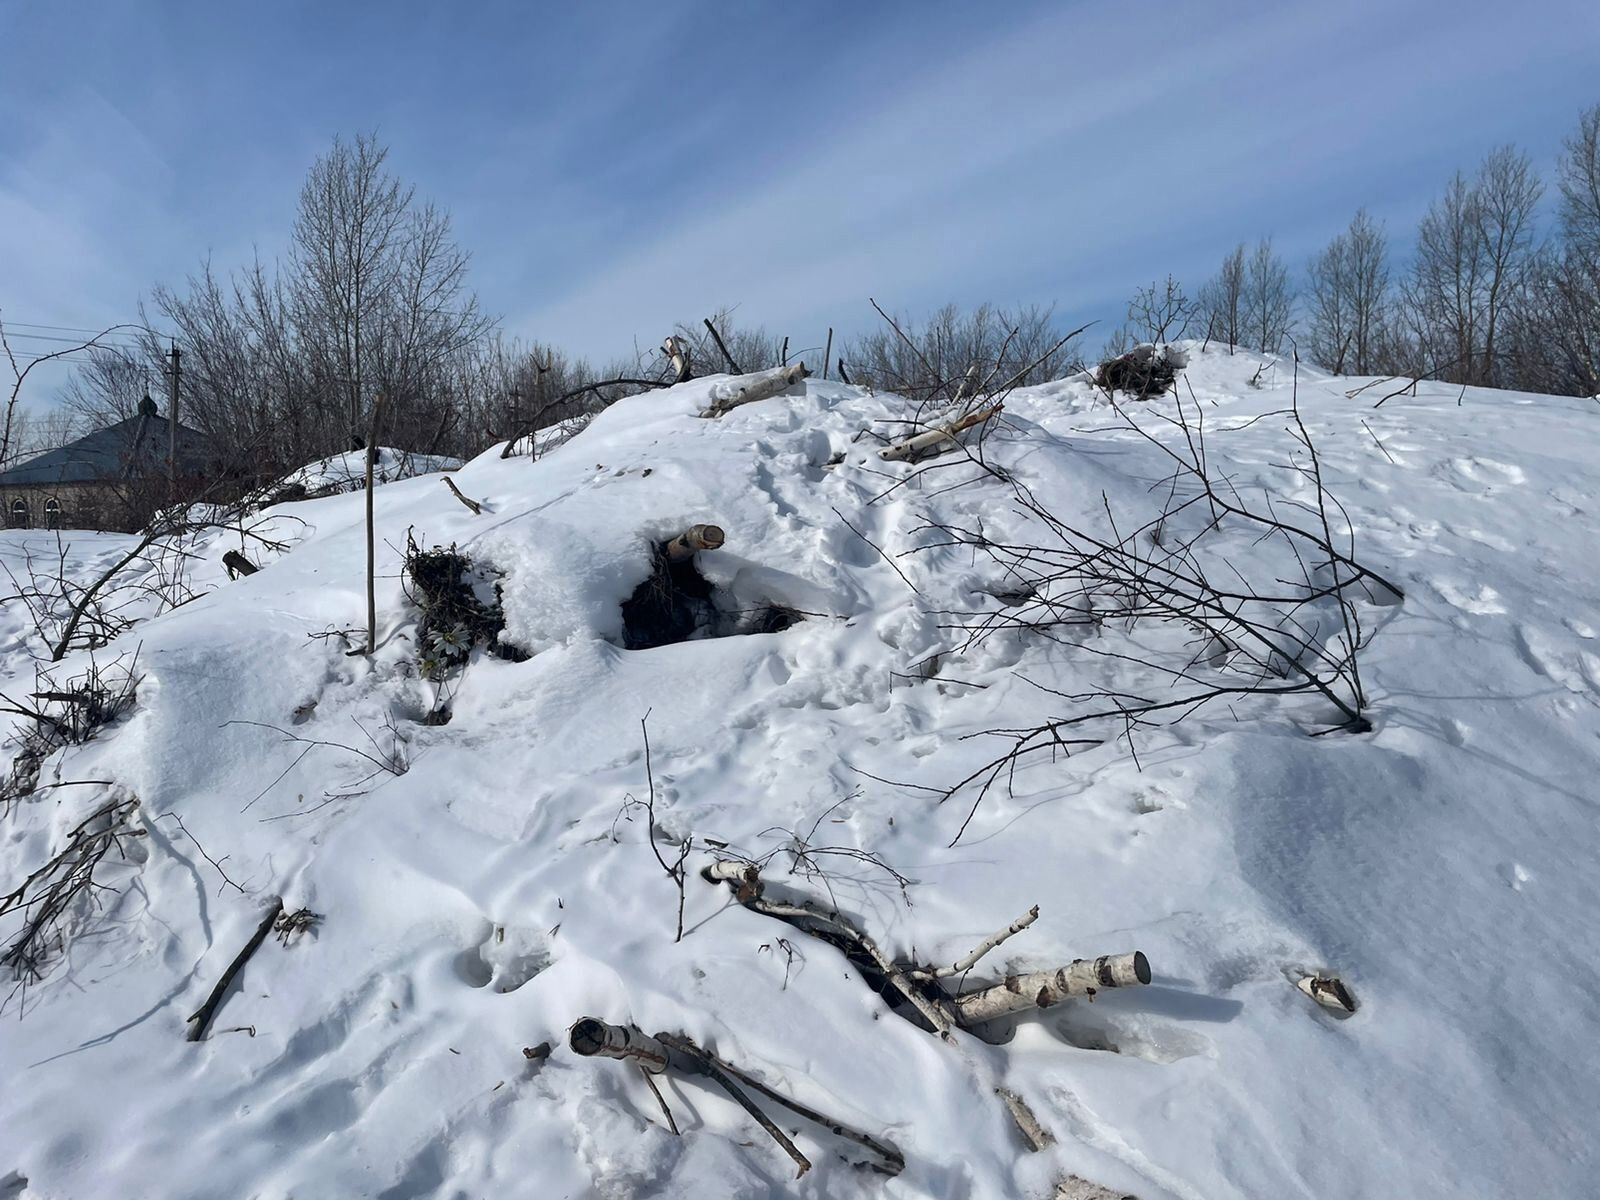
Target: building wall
121 507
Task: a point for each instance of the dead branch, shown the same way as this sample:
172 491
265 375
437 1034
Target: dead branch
202 1016
964 965
474 505
590 1037
717 338
47 897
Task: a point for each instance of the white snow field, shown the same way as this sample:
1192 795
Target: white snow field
1445 865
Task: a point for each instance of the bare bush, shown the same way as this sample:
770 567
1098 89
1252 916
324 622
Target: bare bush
953 350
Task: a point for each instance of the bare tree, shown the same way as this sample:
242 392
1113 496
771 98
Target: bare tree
1160 312
935 359
1474 250
1221 307
1348 299
1268 301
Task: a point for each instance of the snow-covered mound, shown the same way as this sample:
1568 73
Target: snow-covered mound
348 471
486 882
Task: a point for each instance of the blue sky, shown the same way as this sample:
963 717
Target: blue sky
616 167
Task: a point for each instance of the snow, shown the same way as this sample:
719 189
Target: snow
348 471
1442 865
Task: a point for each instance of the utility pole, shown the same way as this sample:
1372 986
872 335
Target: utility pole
172 424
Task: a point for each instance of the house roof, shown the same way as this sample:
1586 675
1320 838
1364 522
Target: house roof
128 449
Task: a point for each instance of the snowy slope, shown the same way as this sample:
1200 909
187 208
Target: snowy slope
485 899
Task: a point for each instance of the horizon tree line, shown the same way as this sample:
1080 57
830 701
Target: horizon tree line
283 359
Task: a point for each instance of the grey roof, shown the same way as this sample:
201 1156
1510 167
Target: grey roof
128 449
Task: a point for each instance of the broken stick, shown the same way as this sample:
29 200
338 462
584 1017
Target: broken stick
591 1037
474 505
202 1016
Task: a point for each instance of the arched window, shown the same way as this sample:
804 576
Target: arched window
19 513
52 513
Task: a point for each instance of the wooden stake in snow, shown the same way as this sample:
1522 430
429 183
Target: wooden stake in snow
938 440
693 540
747 389
1044 989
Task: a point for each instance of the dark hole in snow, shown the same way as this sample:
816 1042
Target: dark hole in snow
678 604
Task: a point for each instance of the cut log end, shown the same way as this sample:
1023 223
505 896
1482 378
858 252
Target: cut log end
695 539
587 1037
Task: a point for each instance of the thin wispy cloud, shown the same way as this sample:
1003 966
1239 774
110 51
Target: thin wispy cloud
617 168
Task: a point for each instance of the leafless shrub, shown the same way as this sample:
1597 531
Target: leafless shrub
50 899
63 710
1161 599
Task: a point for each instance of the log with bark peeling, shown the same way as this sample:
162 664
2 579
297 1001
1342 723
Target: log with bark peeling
938 440
1044 989
749 388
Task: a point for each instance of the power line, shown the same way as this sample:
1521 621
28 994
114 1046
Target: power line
10 324
105 341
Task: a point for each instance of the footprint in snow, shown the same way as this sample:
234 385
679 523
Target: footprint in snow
1484 601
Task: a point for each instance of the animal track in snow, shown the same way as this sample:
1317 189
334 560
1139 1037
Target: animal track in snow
1484 602
1487 471
506 959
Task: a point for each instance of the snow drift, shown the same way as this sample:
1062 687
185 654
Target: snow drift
487 883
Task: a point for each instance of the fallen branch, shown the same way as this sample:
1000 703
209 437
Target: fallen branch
726 397
591 1037
1045 989
475 506
202 1015
966 964
237 564
936 441
920 985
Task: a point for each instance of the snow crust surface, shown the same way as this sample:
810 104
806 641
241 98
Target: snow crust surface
1444 865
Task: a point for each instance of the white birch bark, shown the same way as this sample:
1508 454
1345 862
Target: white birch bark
747 389
1044 989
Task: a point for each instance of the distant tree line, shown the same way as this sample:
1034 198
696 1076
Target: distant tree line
282 361
1483 299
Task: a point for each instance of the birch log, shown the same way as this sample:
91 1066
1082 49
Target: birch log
693 540
591 1037
749 388
1044 989
677 350
936 441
